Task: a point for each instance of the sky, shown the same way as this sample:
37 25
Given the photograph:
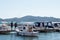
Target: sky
20 8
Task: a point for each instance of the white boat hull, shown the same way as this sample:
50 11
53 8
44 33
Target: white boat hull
28 33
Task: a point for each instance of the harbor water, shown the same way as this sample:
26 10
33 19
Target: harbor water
41 36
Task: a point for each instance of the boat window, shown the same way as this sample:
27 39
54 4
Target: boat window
55 25
34 30
21 30
23 27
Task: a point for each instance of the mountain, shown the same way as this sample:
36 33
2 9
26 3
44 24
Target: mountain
33 19
1 19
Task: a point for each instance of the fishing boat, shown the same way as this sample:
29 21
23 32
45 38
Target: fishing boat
4 28
26 30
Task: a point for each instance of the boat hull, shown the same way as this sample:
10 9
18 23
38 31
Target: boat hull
5 32
27 33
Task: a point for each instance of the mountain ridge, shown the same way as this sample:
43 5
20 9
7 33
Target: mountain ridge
32 19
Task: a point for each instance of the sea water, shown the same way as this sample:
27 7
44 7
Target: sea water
41 36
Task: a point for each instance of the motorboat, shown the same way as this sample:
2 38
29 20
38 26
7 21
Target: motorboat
4 28
26 30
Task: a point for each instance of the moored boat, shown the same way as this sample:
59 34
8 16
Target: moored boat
26 30
4 28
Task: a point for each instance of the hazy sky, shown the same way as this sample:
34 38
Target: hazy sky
20 8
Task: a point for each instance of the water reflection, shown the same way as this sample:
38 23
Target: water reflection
30 38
